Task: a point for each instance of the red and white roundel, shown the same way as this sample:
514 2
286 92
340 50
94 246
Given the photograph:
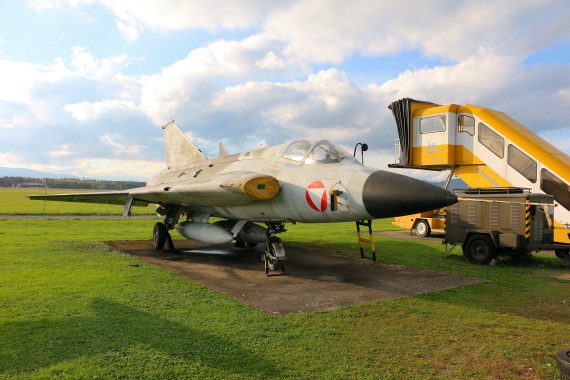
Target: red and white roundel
316 196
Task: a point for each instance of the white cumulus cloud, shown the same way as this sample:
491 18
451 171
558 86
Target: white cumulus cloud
85 110
270 61
87 65
283 79
40 5
120 148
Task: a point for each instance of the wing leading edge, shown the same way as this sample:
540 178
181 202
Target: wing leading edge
101 197
219 190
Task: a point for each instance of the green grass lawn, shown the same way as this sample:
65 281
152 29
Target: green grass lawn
71 307
14 201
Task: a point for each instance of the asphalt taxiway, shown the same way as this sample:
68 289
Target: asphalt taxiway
316 280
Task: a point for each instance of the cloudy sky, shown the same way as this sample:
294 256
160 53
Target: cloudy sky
86 84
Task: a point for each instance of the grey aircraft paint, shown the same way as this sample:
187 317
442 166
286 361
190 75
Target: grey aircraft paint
306 181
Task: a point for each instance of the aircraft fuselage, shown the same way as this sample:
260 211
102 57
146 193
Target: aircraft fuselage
363 193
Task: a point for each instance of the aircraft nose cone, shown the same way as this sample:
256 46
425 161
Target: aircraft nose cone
386 194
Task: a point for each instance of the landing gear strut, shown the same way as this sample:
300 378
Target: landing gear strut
160 234
274 256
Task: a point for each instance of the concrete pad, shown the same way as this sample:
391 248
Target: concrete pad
317 280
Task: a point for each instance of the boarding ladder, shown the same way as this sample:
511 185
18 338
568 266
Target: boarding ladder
370 240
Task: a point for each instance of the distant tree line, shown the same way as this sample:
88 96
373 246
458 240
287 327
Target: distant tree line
72 183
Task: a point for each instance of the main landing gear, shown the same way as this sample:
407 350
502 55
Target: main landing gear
274 256
160 234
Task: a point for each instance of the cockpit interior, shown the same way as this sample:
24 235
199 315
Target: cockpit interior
313 152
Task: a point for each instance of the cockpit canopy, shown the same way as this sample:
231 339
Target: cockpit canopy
322 152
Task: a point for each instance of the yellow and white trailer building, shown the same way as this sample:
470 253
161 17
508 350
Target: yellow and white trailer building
483 147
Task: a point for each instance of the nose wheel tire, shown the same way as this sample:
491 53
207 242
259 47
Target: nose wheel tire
271 263
422 228
159 236
480 249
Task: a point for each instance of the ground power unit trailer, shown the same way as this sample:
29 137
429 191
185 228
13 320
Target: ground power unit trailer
483 147
511 221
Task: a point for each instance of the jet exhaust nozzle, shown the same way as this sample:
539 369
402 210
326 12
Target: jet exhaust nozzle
386 194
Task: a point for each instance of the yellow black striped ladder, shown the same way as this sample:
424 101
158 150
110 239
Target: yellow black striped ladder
370 240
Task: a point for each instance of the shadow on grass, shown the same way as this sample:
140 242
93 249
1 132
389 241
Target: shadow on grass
115 328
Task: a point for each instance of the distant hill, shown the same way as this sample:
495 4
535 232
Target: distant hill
23 172
69 183
456 183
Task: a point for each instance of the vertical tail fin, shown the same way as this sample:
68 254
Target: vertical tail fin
223 150
179 149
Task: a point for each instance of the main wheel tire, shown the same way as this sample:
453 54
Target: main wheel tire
159 236
422 228
563 362
273 264
251 245
480 249
562 254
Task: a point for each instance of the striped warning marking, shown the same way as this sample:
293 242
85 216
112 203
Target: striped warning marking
527 220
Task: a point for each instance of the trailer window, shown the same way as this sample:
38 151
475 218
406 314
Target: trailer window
554 186
522 163
466 124
491 140
432 124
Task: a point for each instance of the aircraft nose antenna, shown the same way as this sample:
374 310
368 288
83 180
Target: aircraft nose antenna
386 194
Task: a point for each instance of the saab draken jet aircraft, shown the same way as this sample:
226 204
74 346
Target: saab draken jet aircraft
308 181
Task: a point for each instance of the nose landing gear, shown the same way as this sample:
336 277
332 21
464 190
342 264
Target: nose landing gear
274 256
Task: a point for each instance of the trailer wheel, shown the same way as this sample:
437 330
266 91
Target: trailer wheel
562 254
422 228
563 362
480 249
